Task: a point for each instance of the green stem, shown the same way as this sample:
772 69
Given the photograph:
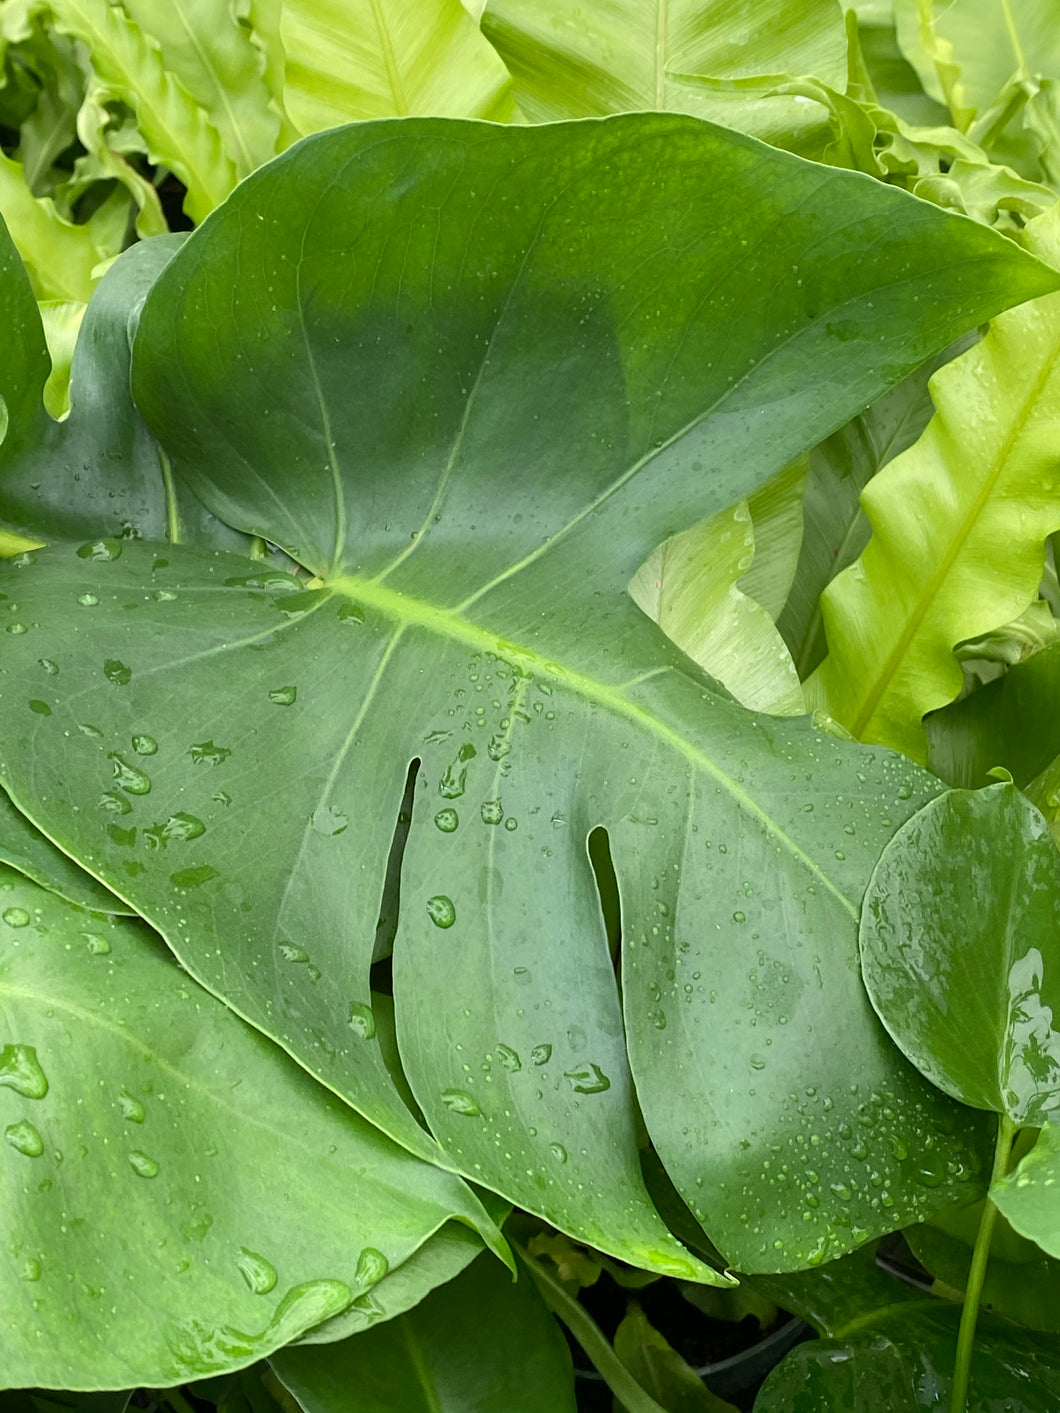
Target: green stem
590 1336
172 512
1006 1132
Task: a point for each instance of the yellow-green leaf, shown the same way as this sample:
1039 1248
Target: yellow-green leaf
958 528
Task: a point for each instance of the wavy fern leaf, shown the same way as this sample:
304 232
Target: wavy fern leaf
958 523
178 132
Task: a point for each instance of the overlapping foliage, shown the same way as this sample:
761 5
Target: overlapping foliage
372 863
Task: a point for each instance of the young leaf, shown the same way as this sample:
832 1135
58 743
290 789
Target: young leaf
170 1174
1029 1196
659 1369
680 56
178 133
391 58
960 954
481 1343
59 256
982 475
474 440
211 54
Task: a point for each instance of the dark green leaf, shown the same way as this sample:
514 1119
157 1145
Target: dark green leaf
838 1292
960 951
903 1362
474 428
659 1369
479 1344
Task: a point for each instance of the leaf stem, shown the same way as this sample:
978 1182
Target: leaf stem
589 1335
1006 1132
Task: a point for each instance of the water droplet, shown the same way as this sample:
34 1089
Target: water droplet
499 746
461 1103
447 820
361 1020
259 1274
492 812
16 917
16 628
87 600
509 1058
511 823
20 1070
130 779
840 855
164 595
351 613
178 826
51 668
454 782
116 804
30 1269
144 745
193 877
96 944
116 672
205 752
102 549
38 707
758 1062
558 1152
739 917
541 1054
441 911
587 1079
372 1266
329 821
131 1108
142 1165
290 953
24 1138
283 696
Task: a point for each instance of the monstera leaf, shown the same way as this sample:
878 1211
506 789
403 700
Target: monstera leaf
468 377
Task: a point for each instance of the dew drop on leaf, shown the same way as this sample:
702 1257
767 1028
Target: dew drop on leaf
283 696
558 1152
290 953
128 777
96 944
541 1054
116 672
102 549
144 745
351 613
30 1269
329 821
509 1058
49 667
38 707
492 812
587 1079
259 1274
131 1108
21 1071
142 1165
116 804
460 1102
16 917
87 600
447 821
441 911
24 1138
361 1020
205 752
372 1266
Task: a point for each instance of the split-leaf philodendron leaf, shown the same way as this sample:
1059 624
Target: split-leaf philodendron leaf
468 377
153 1144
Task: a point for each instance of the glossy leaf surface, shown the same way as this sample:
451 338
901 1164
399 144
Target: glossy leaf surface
153 1143
982 475
370 396
481 1343
960 951
904 1363
1030 1195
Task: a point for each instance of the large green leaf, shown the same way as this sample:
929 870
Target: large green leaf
983 475
474 429
903 1361
481 1343
613 56
1029 1196
960 953
388 58
179 1197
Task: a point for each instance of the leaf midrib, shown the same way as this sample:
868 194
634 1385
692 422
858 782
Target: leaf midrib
409 612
